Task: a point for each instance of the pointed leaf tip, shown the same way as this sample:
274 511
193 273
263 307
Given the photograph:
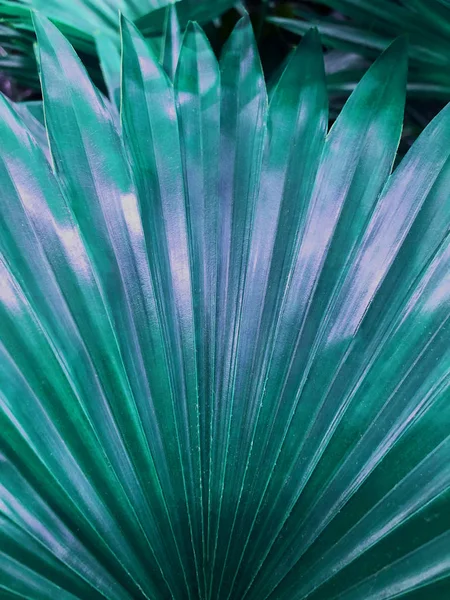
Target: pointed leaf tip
41 25
127 26
243 23
138 56
193 27
242 31
125 23
305 68
195 32
401 43
383 85
310 45
60 65
394 58
46 31
312 36
198 69
242 39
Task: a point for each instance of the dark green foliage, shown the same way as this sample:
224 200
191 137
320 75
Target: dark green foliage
224 356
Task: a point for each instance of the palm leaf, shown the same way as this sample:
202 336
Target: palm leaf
356 31
187 10
91 26
86 15
370 26
223 333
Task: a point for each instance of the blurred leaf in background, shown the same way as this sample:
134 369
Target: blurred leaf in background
356 31
365 28
224 331
84 22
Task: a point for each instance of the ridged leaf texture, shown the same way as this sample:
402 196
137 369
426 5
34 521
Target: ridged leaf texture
224 332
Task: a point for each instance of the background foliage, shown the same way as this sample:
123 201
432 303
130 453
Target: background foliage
353 32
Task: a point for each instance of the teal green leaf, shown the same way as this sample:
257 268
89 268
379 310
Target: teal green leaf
155 156
365 28
93 29
109 56
86 15
197 94
244 110
187 10
171 42
224 357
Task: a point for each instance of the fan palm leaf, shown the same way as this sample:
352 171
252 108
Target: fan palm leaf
224 365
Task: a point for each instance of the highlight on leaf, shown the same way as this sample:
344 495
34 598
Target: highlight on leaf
224 357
